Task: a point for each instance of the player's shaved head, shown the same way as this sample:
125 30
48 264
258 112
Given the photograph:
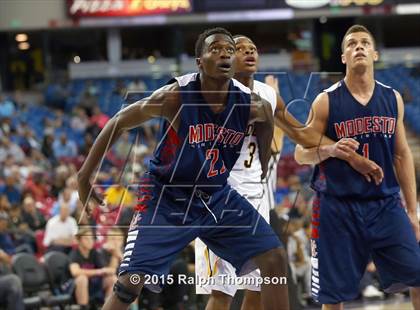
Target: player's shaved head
199 44
240 36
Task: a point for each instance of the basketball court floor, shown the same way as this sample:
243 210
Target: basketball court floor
396 302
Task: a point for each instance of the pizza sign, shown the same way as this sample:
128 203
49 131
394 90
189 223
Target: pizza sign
114 8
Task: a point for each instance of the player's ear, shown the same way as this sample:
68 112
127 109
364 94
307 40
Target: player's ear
375 55
343 59
198 62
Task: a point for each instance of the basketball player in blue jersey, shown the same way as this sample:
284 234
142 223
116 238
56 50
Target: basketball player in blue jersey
354 220
245 179
185 193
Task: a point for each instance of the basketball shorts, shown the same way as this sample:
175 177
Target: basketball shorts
168 218
347 233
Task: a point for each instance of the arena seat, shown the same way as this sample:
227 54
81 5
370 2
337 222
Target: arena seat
35 280
57 265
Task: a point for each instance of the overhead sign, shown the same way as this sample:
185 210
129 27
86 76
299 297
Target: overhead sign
103 8
312 4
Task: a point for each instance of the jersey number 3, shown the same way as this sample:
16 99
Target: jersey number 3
251 147
213 156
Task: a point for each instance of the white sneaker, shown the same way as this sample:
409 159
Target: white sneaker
371 291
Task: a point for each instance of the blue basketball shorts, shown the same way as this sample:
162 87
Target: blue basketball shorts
347 233
168 218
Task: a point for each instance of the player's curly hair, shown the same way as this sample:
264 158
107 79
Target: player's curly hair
204 35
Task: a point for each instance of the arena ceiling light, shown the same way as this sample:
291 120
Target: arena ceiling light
408 9
24 46
21 37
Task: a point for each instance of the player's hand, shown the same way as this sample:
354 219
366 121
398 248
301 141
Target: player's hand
344 148
264 172
273 82
369 169
86 192
415 223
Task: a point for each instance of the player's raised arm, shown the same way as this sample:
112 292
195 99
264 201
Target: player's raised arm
277 142
404 168
317 147
262 114
318 120
162 103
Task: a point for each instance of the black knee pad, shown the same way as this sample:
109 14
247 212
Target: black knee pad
123 293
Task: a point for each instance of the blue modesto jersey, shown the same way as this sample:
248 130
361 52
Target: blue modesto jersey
206 146
373 126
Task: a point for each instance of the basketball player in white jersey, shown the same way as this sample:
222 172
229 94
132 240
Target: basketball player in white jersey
245 179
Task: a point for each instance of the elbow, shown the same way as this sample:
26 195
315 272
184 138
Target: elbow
298 155
404 156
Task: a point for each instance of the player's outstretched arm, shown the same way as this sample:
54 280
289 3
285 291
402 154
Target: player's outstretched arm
325 148
277 142
162 103
262 116
404 167
344 149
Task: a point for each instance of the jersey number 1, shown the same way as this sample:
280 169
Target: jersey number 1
365 150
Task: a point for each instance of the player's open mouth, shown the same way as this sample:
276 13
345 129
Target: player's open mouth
250 61
225 67
360 55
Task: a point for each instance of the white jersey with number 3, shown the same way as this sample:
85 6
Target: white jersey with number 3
245 176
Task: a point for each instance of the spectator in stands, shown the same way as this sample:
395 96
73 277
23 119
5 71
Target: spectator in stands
79 121
113 248
39 160
98 119
119 89
64 148
137 86
11 190
23 236
4 203
299 257
122 147
31 215
91 275
6 242
87 144
37 186
118 195
9 148
47 146
60 231
7 127
11 291
88 102
7 108
66 198
300 207
28 141
91 88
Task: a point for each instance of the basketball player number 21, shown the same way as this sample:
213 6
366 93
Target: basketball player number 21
365 150
213 155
